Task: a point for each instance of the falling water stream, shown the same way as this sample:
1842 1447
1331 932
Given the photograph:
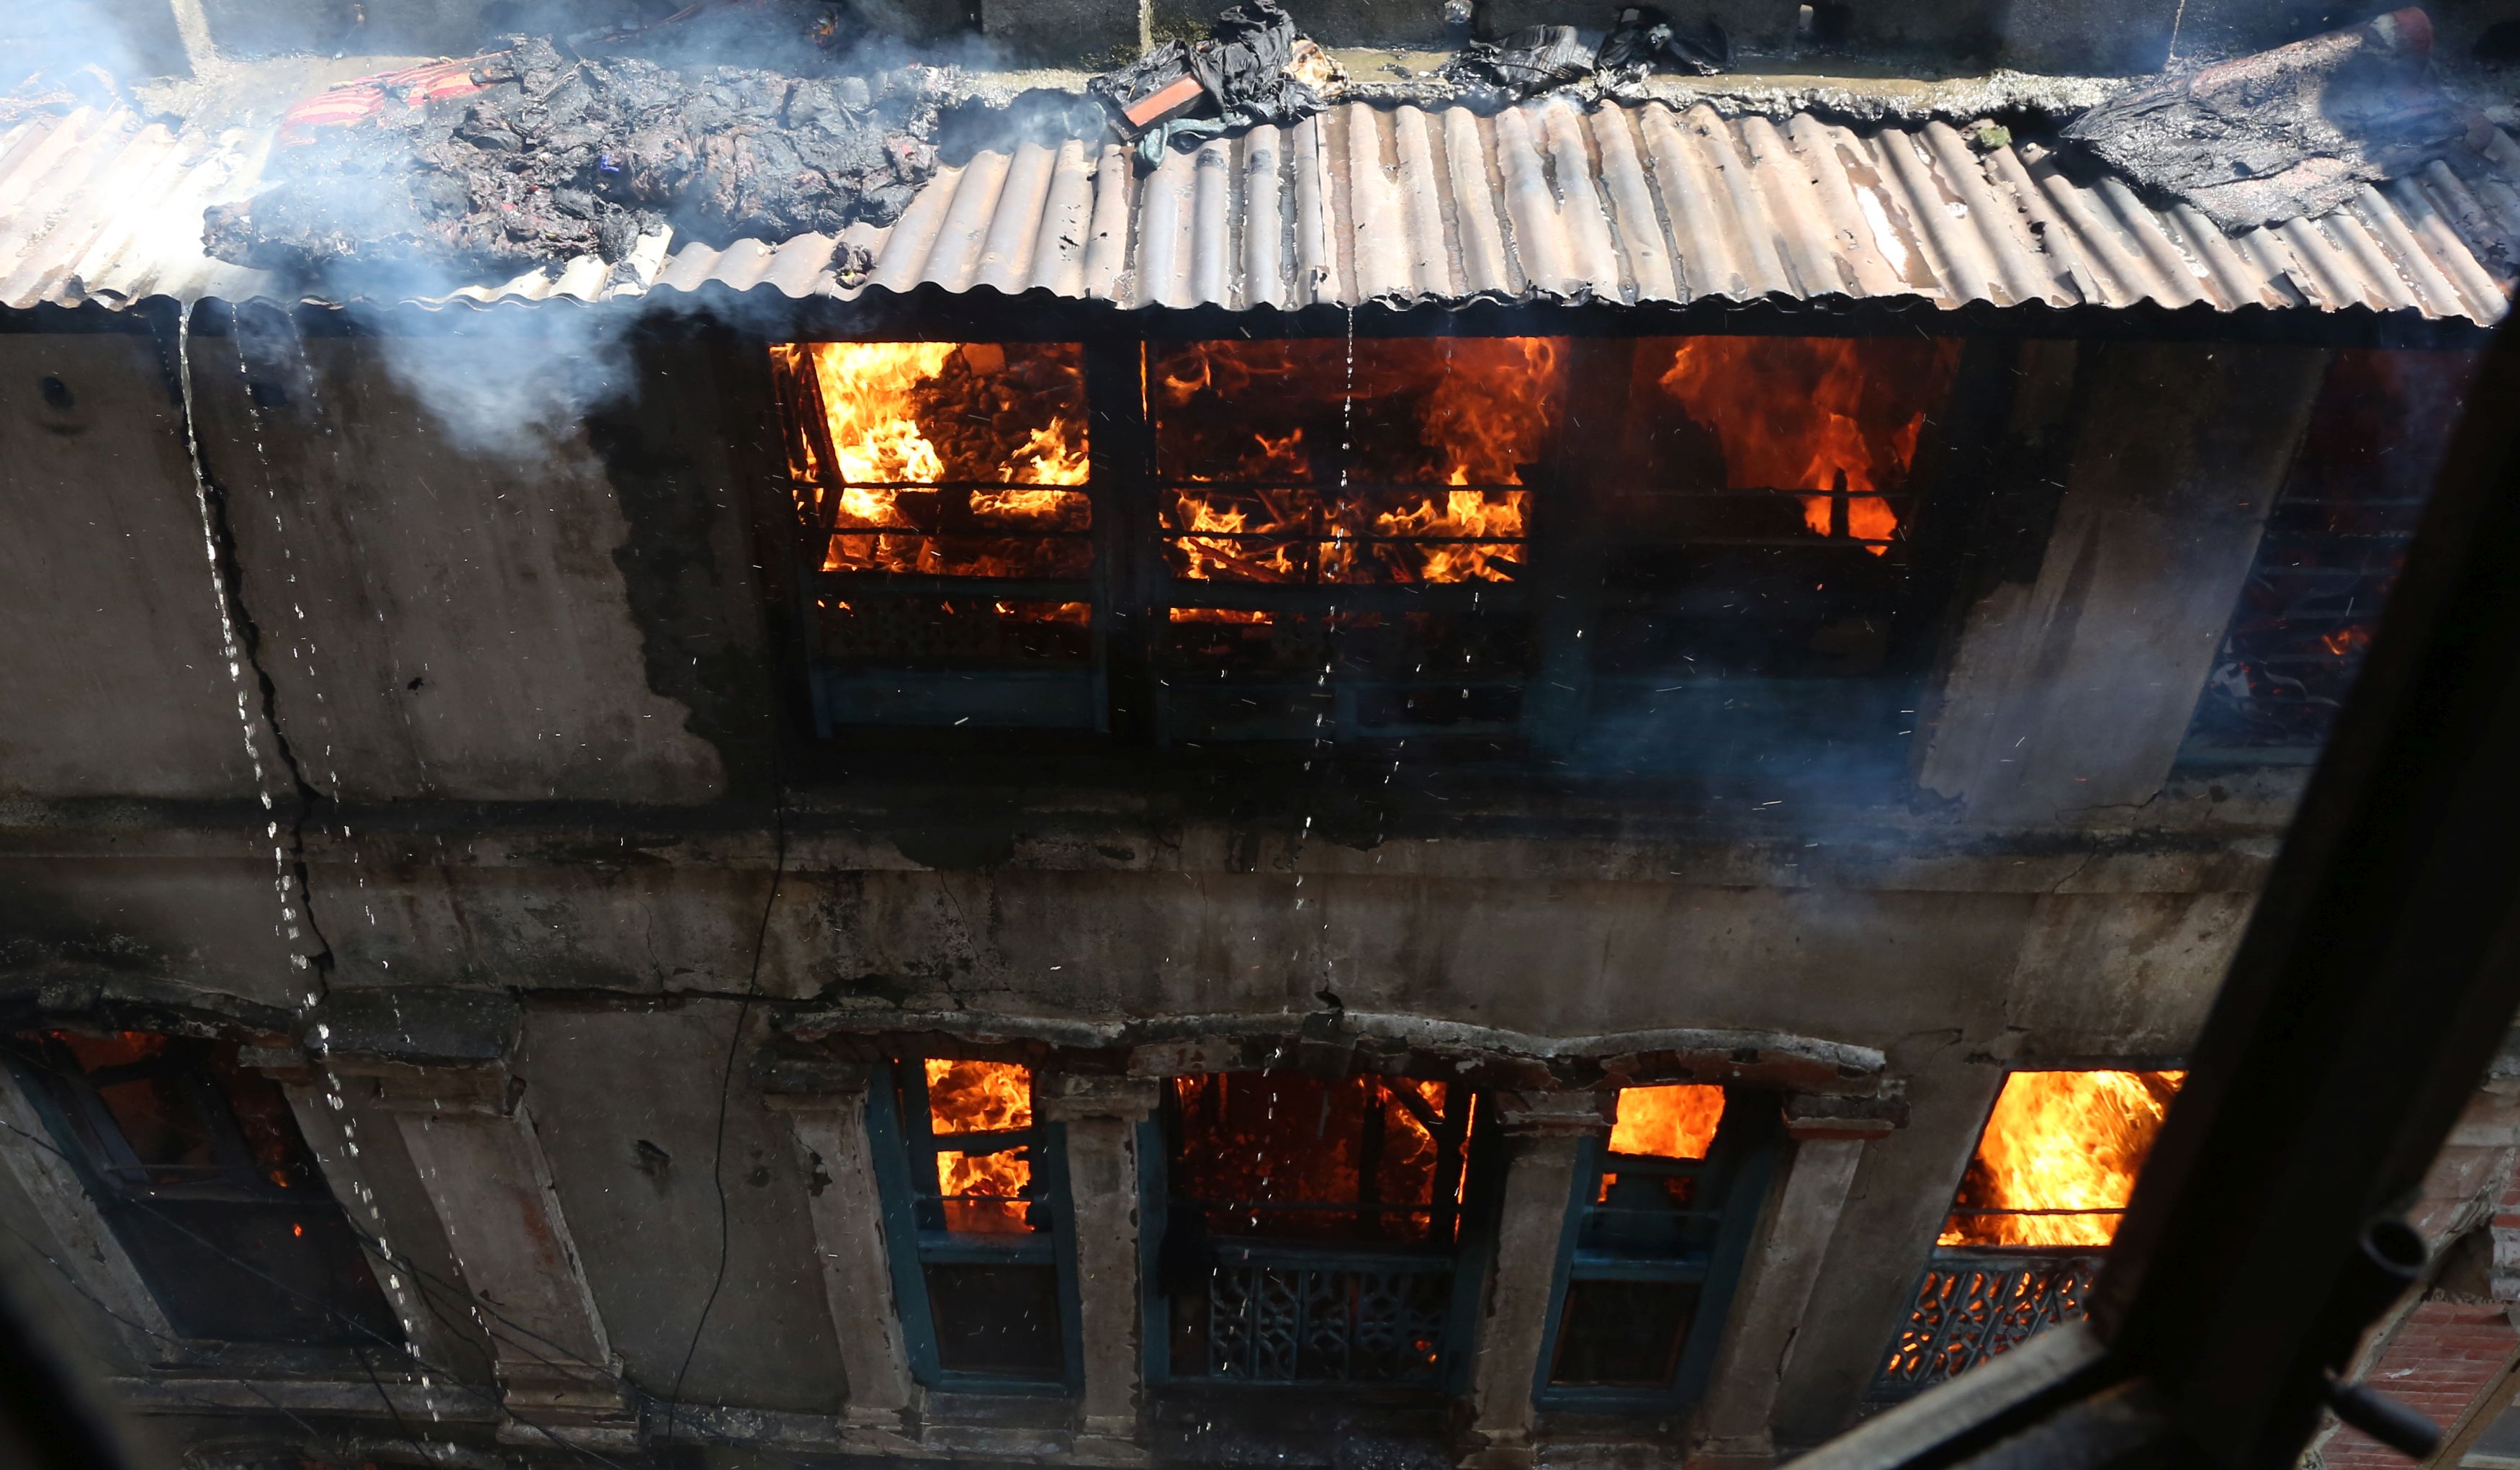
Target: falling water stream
297 921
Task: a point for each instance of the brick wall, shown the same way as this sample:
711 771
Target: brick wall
2442 1356
2442 1352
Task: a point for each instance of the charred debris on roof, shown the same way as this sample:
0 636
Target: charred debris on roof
538 154
2290 132
525 156
534 153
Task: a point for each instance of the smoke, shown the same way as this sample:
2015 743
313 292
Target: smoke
519 391
515 382
519 383
75 47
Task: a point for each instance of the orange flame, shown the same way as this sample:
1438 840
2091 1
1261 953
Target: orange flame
1676 1122
1462 512
981 1097
2351 639
2060 1141
1220 553
1245 616
1465 413
1494 408
898 414
1827 414
1266 1141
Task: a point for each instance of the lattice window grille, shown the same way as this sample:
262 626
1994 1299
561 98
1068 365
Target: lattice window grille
1279 1324
1969 1307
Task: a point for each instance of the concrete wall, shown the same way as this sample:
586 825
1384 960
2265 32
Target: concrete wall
444 588
625 1101
572 805
2069 36
116 682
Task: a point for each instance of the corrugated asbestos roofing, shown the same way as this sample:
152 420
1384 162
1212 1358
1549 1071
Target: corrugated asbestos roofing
1632 203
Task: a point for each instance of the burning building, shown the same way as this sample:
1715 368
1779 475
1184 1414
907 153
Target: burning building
1439 784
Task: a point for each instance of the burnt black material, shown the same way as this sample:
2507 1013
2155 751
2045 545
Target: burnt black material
1533 59
2288 133
996 1319
197 1167
1241 68
555 158
1646 40
1623 1333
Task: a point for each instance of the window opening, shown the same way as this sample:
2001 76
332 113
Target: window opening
1760 560
975 1200
941 488
1347 531
199 1168
2335 540
1716 562
1654 1242
985 1109
2036 1210
1311 1227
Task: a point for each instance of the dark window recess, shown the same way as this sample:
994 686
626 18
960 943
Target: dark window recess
1623 1334
199 1171
996 1319
2034 1214
941 488
2335 538
974 1195
1760 575
1661 1215
1311 1227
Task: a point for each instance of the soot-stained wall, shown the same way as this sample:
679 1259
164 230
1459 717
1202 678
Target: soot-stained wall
444 584
513 622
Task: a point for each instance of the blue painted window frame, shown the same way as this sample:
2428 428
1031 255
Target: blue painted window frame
905 1170
1732 1189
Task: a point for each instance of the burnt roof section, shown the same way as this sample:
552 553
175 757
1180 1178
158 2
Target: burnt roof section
1641 204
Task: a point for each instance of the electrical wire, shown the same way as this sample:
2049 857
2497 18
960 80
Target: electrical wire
99 1302
374 1246
733 1043
326 1308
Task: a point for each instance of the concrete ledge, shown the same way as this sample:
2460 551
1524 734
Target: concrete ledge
441 1401
1382 1041
1809 1119
1065 1096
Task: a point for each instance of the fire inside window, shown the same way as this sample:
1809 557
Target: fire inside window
2039 1203
200 1173
2335 538
1312 1228
943 486
1762 586
1640 549
974 1203
1655 1234
1346 533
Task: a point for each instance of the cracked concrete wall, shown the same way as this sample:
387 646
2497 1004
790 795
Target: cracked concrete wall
567 803
445 616
1478 930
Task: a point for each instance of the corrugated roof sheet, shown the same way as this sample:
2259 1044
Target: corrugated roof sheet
1634 204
